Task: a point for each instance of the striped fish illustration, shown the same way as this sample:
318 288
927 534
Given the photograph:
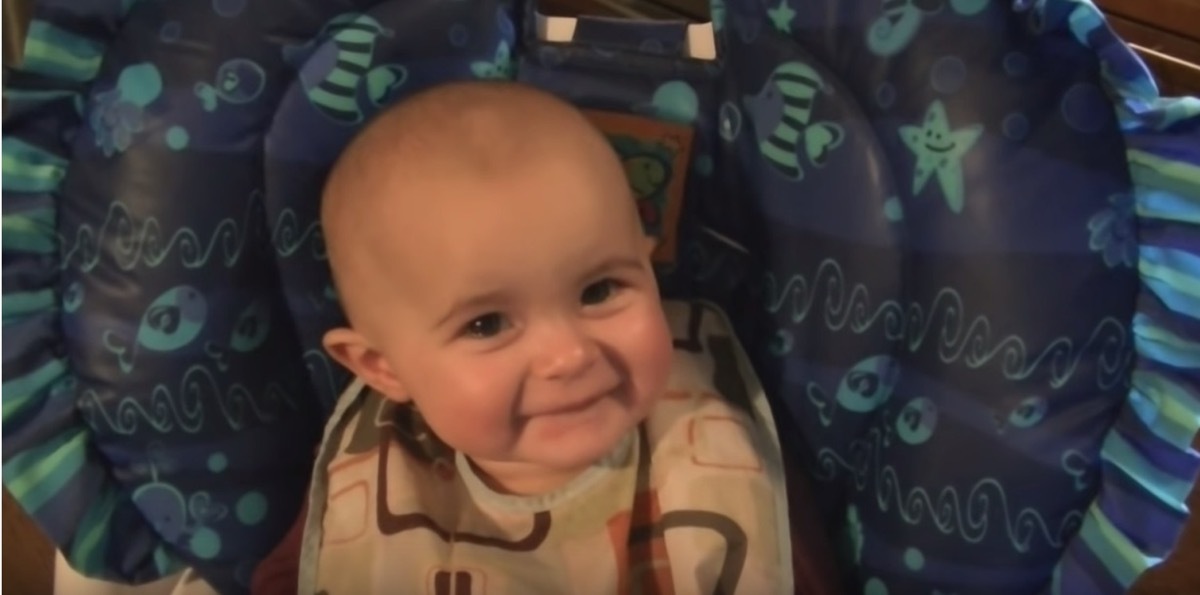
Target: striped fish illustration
333 65
782 116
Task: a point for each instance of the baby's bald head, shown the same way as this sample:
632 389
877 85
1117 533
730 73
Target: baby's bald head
451 135
475 127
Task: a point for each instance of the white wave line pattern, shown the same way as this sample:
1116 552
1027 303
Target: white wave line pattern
946 511
132 244
186 411
971 343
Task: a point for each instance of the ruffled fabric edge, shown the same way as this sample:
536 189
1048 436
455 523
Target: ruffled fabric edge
50 463
1148 460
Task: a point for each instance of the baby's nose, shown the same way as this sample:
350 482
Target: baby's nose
566 352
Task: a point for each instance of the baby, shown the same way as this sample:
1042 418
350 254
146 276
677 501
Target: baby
494 272
528 416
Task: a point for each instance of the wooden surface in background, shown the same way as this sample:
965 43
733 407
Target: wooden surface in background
1169 27
1181 17
28 555
1180 573
14 23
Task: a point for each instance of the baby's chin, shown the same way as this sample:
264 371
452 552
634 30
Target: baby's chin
580 454
553 469
576 455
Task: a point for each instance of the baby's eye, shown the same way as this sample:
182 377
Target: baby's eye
598 292
486 326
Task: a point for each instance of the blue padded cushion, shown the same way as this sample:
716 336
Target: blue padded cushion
956 236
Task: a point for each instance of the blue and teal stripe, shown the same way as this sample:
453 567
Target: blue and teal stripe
1121 497
37 474
1149 464
28 168
1164 345
61 54
1166 407
31 231
33 387
50 463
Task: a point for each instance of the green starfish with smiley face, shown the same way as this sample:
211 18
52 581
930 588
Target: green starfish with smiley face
939 150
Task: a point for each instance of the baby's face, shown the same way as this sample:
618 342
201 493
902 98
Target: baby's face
523 319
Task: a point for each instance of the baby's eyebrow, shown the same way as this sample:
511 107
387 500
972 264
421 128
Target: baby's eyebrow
492 298
478 300
615 264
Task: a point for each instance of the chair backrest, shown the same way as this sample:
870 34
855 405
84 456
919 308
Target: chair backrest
921 216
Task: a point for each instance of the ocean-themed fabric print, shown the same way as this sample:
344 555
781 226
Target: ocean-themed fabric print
900 20
502 64
782 113
238 81
181 521
899 202
1113 232
172 321
118 113
500 67
338 64
939 151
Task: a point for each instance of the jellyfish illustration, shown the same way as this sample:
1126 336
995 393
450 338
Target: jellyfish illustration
172 321
238 81
117 114
174 517
249 333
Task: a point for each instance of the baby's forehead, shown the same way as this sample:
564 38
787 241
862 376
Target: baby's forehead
468 145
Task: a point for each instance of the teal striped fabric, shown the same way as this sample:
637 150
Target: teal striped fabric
1149 463
51 465
60 54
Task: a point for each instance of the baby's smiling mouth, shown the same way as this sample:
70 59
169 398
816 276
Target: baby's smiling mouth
582 404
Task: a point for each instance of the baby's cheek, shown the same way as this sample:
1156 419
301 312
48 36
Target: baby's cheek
474 398
654 353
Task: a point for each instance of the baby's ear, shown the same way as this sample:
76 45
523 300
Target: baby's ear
352 350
